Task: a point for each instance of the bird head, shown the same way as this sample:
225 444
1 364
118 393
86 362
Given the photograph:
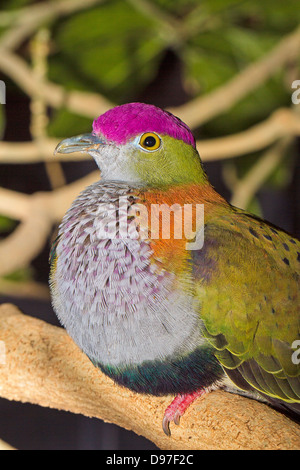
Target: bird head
140 143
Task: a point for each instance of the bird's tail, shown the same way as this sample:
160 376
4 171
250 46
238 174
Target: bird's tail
292 410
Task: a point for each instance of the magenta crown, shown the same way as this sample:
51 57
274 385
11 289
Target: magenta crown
128 120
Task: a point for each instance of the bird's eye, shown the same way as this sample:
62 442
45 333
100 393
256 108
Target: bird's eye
150 141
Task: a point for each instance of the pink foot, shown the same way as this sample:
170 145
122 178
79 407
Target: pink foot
177 408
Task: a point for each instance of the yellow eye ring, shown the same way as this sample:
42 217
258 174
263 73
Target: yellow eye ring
150 141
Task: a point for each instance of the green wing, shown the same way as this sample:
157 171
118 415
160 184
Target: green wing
247 280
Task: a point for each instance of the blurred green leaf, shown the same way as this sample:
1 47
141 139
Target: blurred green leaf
283 173
6 224
15 4
112 49
254 207
115 49
66 124
21 275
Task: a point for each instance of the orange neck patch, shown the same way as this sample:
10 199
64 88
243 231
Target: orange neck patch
173 217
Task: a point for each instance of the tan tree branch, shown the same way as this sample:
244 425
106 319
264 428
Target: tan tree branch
169 28
14 205
80 102
27 20
55 203
205 108
245 189
194 113
282 122
37 213
25 289
26 241
5 446
35 151
44 366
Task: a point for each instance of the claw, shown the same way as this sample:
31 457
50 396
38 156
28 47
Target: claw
166 426
177 417
177 408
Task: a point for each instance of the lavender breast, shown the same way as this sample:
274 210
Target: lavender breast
113 297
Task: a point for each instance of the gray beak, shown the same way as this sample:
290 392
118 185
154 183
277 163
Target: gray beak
79 143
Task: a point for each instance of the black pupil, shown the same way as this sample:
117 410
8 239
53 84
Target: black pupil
150 141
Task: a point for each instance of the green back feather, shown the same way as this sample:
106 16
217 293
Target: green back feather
250 301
